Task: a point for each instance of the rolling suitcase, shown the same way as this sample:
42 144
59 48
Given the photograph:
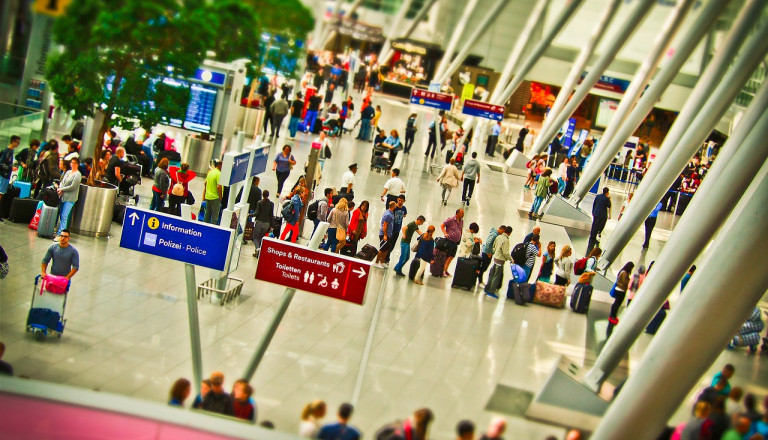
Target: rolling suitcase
7 200
465 276
24 187
580 298
655 323
413 269
118 214
437 268
349 249
47 226
367 253
519 292
22 210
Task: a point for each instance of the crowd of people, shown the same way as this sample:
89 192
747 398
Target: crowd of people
240 404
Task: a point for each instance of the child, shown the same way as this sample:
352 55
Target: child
531 165
241 397
425 253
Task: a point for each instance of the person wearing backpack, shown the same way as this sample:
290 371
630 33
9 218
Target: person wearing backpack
541 193
262 220
410 133
291 212
317 211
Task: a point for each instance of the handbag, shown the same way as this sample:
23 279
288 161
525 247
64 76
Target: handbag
415 246
327 152
341 234
613 291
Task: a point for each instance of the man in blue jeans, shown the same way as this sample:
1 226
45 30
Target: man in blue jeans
405 243
366 115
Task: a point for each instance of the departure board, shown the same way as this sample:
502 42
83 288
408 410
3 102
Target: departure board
202 103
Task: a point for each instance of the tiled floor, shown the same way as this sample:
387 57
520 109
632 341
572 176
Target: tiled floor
434 346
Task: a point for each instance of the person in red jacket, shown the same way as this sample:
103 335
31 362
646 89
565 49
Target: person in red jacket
179 195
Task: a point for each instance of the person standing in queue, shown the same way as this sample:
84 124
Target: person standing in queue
452 229
358 225
601 212
161 186
69 190
282 165
521 137
486 254
393 188
292 222
620 291
212 192
405 242
386 234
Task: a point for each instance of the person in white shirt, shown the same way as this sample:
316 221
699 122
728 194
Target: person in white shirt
393 187
348 179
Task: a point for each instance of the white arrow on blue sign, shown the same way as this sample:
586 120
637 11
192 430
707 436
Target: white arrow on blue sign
172 237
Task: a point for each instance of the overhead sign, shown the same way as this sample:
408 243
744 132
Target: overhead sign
260 160
172 237
234 167
323 273
609 83
440 101
480 109
54 8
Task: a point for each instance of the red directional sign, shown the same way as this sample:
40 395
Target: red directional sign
319 272
482 109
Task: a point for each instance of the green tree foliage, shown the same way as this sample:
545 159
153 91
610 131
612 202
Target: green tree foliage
117 52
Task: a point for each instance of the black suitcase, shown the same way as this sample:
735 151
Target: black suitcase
367 253
7 201
22 210
349 249
655 323
465 275
118 213
581 297
277 223
414 268
519 292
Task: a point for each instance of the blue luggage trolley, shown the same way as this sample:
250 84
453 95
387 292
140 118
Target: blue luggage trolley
46 312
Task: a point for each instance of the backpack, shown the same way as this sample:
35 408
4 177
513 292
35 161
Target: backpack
553 187
518 253
580 266
312 210
288 210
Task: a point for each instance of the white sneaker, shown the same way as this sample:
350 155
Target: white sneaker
57 239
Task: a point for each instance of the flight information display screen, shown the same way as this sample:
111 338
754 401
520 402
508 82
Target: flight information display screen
202 102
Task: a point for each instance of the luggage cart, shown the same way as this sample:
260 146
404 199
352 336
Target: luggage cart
380 158
46 312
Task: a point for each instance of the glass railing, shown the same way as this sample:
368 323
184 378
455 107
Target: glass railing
25 122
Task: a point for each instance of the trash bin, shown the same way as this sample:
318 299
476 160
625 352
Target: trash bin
254 121
92 214
197 153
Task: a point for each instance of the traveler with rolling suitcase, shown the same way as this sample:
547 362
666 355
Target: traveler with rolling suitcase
262 220
500 256
69 190
405 242
386 234
486 255
424 254
468 265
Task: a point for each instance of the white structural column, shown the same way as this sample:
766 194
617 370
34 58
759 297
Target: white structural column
675 154
672 364
456 33
394 28
385 56
535 19
581 62
738 162
651 96
565 15
447 66
626 30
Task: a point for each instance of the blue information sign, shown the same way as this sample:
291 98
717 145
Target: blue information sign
260 160
174 238
234 168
